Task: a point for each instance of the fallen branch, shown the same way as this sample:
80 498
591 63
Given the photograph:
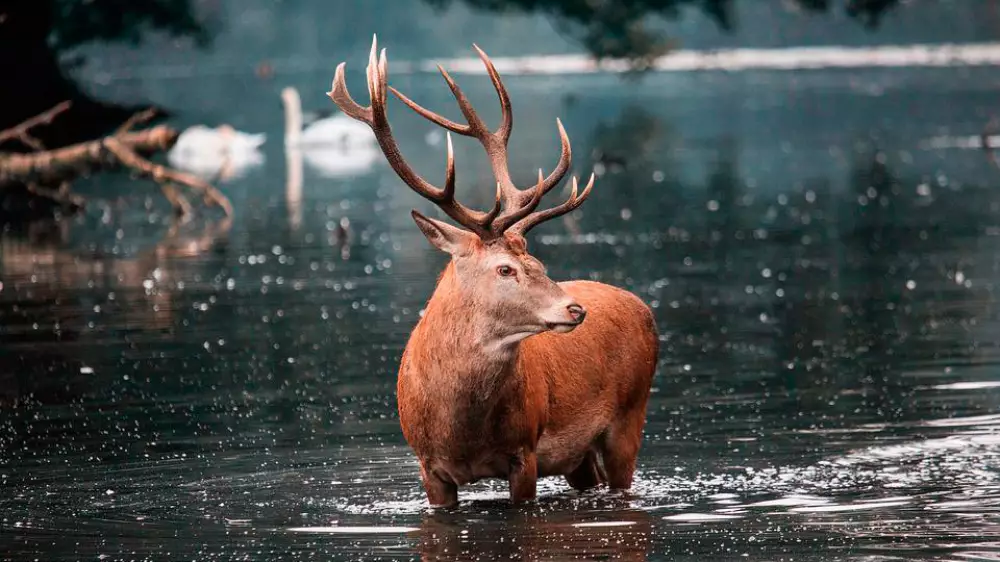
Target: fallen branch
20 131
162 174
37 172
61 164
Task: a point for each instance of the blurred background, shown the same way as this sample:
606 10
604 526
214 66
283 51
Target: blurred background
804 191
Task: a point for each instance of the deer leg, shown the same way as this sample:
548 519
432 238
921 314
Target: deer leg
439 492
619 451
523 477
587 475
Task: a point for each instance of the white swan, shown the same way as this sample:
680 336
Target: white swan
337 130
335 146
222 152
337 162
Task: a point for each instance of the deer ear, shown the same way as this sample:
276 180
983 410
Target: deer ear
444 236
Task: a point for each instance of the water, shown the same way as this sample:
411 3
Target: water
822 271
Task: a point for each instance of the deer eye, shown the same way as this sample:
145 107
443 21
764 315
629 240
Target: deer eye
505 271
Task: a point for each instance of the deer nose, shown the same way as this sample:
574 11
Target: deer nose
576 312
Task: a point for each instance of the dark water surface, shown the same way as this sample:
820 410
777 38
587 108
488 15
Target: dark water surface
821 270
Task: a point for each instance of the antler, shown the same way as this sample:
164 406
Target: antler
374 116
574 201
519 205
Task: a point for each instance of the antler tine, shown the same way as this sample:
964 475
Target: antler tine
383 70
506 115
565 159
438 120
558 173
475 126
449 172
371 74
490 216
374 116
340 96
570 204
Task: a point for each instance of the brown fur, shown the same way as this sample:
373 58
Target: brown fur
570 404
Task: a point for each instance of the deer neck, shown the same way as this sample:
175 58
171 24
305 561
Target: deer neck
458 340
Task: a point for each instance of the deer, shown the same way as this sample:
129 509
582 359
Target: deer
509 374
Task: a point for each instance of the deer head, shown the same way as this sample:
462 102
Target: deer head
494 273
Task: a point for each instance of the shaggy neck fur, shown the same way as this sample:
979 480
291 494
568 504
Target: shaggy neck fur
457 340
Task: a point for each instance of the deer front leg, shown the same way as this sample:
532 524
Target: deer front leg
523 477
439 492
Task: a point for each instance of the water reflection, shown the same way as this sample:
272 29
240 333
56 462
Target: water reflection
293 186
40 262
552 533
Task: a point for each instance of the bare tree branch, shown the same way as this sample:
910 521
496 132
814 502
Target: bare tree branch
20 131
140 118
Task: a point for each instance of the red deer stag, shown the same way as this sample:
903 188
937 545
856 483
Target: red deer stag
502 377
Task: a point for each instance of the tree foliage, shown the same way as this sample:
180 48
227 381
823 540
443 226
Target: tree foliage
33 35
76 22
